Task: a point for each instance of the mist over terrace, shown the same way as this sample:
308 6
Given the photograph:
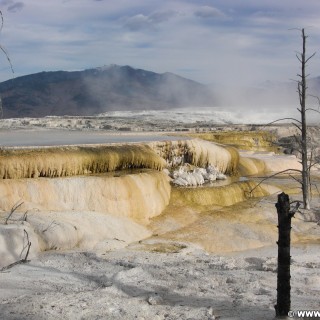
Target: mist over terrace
111 89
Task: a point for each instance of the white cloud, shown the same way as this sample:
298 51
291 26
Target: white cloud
141 21
15 6
209 12
138 21
234 41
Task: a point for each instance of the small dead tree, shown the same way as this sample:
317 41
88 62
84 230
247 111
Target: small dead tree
308 160
302 91
283 281
26 248
13 209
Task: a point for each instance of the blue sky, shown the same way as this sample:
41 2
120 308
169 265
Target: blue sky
225 41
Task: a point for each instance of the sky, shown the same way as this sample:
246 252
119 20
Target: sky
227 42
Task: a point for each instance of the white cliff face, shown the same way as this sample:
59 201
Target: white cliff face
89 212
138 196
252 163
65 230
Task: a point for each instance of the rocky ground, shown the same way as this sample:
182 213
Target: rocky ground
178 120
168 277
171 281
159 277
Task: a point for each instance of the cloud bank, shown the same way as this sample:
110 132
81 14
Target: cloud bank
231 42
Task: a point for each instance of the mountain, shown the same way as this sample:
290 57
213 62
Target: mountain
99 90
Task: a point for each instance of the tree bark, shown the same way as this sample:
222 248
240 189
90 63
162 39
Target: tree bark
283 281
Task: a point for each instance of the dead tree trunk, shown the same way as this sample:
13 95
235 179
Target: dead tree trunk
283 282
304 150
302 90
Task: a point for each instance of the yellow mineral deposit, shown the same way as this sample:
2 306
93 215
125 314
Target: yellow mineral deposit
225 195
234 228
252 163
200 153
138 196
249 166
62 186
238 226
72 161
242 140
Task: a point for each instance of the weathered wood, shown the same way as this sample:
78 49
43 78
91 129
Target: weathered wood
302 90
14 264
283 281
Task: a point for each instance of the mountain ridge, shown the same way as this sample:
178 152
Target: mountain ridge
98 90
123 88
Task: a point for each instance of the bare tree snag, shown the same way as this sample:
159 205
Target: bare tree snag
307 158
302 90
283 281
26 246
13 209
23 260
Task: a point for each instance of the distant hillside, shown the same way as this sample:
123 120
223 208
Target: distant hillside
99 90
